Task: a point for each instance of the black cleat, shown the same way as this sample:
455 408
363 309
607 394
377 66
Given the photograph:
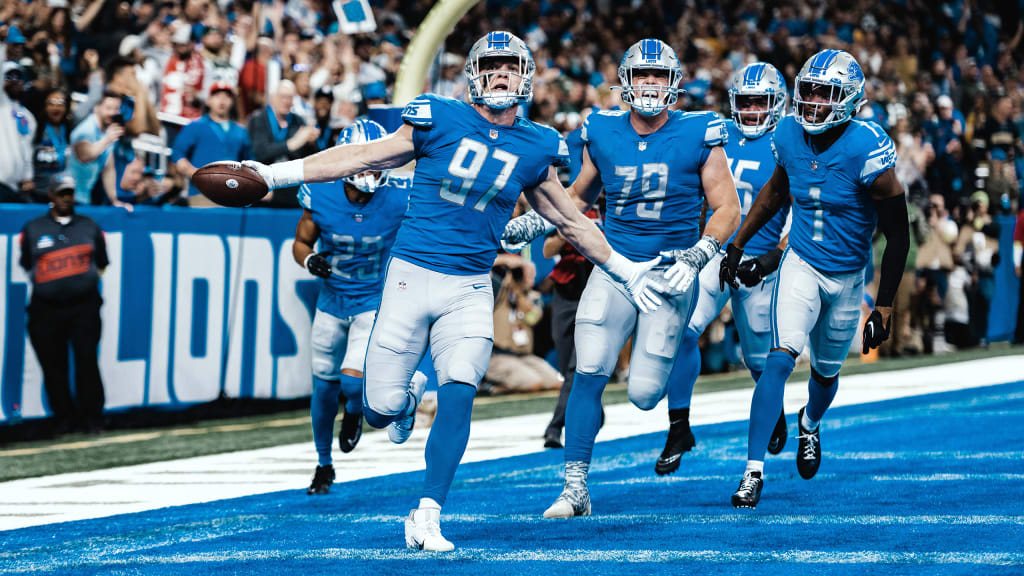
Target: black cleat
680 440
553 439
351 431
322 480
808 453
749 492
778 441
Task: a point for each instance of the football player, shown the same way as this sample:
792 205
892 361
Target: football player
757 98
839 174
472 163
356 221
656 166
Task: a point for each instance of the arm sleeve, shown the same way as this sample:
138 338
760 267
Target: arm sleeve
102 260
184 143
420 115
305 197
26 251
715 134
881 158
894 222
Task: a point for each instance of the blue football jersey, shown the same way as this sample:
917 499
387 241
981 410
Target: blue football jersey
751 163
833 213
357 239
653 194
469 174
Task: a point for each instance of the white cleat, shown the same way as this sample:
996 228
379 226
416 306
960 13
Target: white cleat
423 531
570 504
400 430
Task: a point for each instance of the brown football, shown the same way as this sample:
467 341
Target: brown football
230 184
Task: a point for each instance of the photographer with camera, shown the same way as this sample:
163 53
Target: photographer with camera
513 366
92 143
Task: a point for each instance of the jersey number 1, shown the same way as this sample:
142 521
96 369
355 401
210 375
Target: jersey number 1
467 173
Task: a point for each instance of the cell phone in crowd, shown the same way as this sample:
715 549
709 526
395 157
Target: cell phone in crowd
127 109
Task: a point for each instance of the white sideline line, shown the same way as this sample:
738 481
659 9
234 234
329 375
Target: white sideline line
617 556
194 480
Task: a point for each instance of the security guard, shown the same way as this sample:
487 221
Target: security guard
64 254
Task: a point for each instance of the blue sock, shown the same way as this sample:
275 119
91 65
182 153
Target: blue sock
819 398
448 437
684 373
323 408
352 388
755 374
583 416
766 405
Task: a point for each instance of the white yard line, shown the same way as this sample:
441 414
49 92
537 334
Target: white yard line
102 493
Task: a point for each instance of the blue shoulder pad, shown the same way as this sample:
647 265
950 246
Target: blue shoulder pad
419 112
305 196
881 154
716 133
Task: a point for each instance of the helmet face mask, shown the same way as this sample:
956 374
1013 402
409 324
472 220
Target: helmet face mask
499 71
649 76
361 132
757 98
829 91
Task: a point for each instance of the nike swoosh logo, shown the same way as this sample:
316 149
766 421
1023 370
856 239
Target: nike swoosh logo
479 286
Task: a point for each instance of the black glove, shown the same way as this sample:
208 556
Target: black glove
753 271
318 265
874 332
731 262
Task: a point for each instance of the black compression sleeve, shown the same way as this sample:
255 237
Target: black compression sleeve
894 222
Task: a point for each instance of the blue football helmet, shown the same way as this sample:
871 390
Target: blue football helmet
360 132
485 86
836 77
650 54
758 80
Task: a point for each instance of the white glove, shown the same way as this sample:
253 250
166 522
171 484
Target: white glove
633 275
689 262
280 175
522 230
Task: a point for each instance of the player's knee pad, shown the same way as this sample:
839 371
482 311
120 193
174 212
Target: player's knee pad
825 381
324 366
388 401
645 392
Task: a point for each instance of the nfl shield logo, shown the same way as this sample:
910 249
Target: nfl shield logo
402 285
357 217
814 165
642 145
494 134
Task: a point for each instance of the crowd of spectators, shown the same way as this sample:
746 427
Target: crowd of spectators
130 97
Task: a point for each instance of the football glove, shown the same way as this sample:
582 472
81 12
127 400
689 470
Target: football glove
689 262
318 265
753 271
875 331
730 266
633 275
280 175
522 230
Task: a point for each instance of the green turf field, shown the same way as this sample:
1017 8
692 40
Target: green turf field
78 453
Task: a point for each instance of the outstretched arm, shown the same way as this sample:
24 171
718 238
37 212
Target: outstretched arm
552 202
341 161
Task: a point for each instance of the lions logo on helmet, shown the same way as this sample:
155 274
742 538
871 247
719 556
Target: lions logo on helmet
493 88
829 91
753 84
650 99
360 132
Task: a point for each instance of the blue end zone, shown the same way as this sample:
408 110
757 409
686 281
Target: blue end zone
928 484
